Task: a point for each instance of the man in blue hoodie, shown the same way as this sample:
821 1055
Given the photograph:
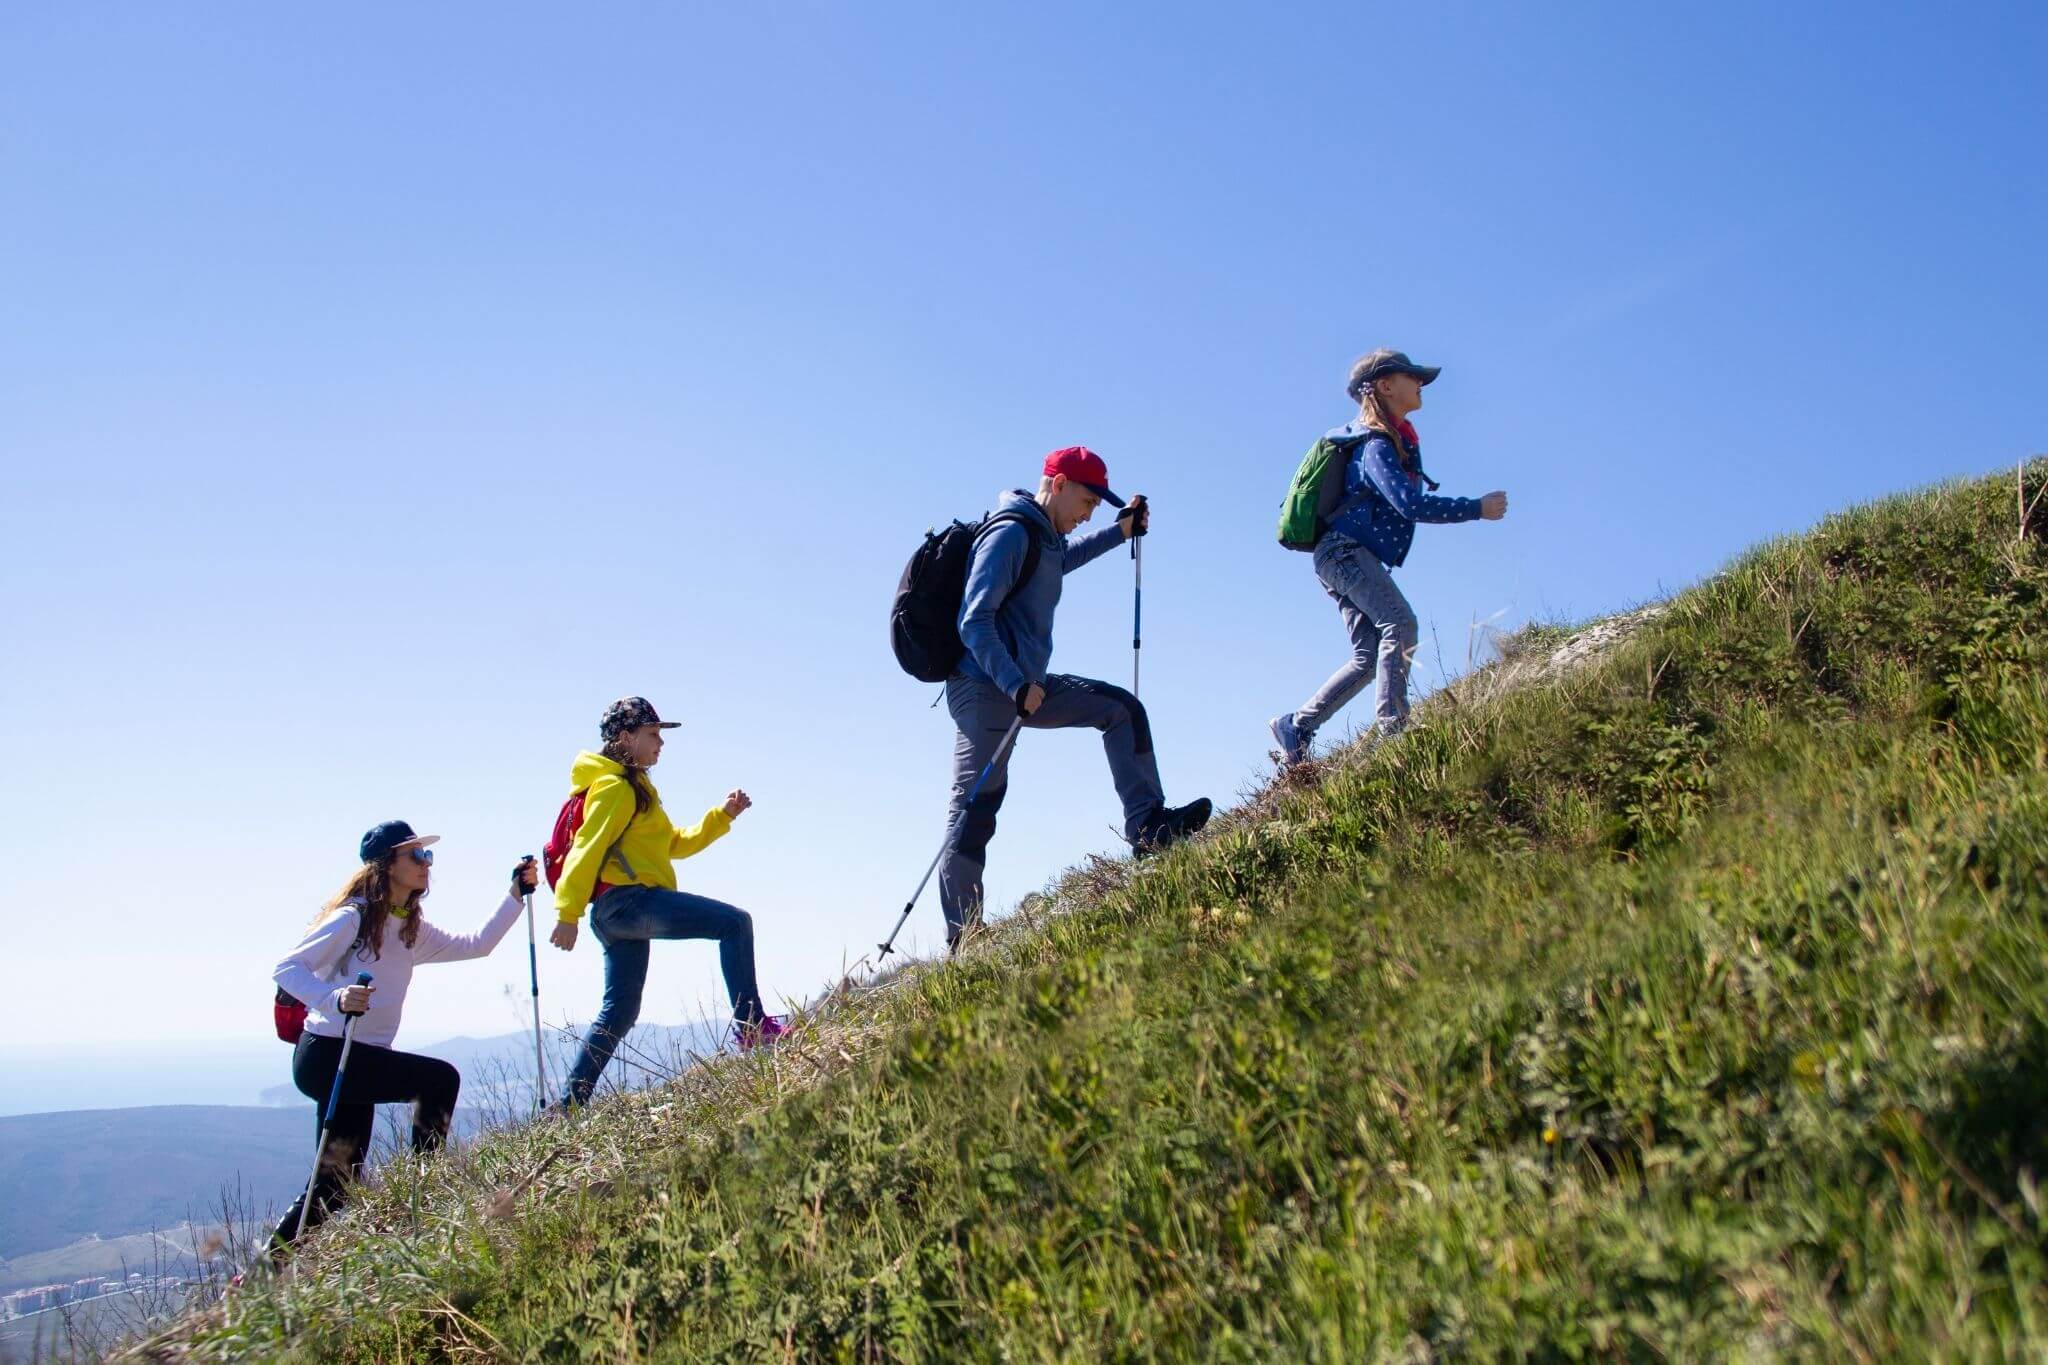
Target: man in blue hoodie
1006 624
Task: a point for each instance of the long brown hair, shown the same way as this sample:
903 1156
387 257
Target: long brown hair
643 790
368 889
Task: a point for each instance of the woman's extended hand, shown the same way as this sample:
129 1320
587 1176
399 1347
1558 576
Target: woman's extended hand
526 876
1494 505
354 999
736 803
564 935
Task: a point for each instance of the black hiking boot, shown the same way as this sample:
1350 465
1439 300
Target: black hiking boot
1171 824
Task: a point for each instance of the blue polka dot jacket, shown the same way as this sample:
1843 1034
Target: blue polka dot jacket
1383 499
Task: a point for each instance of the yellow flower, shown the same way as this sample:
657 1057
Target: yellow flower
1550 1134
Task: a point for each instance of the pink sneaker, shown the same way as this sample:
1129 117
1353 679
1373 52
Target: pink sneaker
751 1036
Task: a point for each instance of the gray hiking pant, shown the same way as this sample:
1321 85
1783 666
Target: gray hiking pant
982 712
1383 636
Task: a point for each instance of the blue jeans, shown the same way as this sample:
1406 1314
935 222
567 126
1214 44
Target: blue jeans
1383 636
624 919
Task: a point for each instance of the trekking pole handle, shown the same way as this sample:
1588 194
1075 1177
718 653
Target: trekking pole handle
362 979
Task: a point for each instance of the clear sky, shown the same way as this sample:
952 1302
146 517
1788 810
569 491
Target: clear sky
385 389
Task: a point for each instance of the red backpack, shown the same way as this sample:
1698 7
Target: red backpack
290 1014
289 1011
556 851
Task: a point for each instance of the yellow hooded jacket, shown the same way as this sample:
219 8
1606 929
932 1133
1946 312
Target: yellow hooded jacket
647 844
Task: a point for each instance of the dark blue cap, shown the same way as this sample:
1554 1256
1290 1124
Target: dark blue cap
385 839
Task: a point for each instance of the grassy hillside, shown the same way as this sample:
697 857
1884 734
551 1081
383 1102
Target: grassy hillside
1688 1003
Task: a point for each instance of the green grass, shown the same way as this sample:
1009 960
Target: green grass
1688 1004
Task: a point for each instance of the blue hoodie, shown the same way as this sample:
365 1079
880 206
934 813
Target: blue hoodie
1011 646
1382 501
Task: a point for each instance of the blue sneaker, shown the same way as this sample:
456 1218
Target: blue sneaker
1293 743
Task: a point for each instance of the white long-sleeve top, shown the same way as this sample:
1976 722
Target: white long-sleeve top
317 970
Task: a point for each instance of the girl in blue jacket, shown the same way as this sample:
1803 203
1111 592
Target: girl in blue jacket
1384 496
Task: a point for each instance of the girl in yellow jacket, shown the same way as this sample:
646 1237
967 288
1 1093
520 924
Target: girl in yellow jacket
621 866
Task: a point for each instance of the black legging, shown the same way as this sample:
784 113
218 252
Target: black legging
376 1075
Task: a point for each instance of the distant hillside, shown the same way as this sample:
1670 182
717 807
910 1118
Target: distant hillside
1683 999
111 1171
168 1251
106 1173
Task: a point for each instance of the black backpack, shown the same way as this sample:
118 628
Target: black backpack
924 620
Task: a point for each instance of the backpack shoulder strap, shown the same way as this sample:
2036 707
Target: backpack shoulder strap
1407 456
1032 548
1342 448
361 907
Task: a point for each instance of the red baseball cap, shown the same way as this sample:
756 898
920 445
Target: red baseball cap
1085 467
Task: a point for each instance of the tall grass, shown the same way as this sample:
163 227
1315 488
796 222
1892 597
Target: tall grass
1688 1003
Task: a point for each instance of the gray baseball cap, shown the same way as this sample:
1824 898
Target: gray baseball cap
1373 364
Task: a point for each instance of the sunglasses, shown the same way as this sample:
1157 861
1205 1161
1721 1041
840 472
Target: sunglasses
424 856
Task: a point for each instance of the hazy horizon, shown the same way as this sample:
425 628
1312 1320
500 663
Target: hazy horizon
205 1071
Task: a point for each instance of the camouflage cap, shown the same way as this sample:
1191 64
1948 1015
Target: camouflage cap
630 713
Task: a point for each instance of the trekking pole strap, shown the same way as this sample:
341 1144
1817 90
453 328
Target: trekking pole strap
540 1066
1137 608
532 951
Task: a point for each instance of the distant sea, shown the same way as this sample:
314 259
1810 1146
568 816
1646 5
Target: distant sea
60 1077
143 1072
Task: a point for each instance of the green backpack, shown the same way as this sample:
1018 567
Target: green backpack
1316 495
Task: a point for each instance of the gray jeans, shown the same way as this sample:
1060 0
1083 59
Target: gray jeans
1383 636
982 712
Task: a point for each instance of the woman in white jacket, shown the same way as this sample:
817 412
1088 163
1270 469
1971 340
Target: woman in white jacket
373 924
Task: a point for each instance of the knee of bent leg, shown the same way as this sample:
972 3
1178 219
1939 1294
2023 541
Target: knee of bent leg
1128 710
440 1083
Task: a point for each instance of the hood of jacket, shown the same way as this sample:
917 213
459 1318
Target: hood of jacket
588 767
1018 500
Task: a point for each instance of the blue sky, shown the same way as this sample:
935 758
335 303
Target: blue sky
385 390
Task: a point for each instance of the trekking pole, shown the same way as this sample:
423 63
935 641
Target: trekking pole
886 944
540 1066
348 1037
1137 605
